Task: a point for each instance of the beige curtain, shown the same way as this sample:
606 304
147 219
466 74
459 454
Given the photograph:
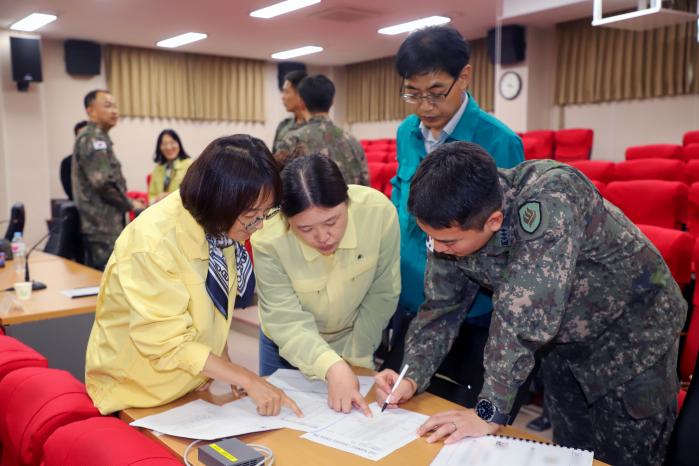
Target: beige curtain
373 87
599 64
154 83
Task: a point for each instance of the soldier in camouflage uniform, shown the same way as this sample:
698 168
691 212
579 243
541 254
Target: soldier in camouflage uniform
292 103
574 283
320 135
99 187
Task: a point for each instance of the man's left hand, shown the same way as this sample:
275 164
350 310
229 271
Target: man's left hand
455 425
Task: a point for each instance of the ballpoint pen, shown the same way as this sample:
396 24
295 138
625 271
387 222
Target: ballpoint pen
398 381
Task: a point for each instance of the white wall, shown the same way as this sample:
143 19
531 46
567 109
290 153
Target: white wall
618 125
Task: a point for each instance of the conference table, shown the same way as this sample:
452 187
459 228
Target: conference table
58 274
291 450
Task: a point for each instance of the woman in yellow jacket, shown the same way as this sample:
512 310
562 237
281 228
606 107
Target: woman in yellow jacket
328 277
172 163
167 294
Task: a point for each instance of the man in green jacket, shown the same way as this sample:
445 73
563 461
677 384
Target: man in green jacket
434 65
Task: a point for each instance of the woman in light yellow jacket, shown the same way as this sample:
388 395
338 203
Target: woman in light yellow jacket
168 291
172 163
328 277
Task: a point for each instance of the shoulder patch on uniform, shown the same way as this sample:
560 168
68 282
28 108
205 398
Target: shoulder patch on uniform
530 216
99 144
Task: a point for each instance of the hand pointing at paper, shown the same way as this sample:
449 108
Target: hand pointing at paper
343 389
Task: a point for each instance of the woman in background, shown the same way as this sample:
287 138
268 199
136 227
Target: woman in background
328 278
172 163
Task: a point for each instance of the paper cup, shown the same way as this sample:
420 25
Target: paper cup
23 290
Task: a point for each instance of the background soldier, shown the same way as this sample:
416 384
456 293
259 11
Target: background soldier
292 103
99 187
573 281
320 135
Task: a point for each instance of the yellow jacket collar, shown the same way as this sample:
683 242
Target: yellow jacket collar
190 235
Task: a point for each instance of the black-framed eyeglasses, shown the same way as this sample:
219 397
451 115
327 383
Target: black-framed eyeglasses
266 216
429 97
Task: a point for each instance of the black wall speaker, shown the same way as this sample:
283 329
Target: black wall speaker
82 57
285 67
513 45
26 61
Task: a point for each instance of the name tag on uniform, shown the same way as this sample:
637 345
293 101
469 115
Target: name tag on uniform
430 243
99 145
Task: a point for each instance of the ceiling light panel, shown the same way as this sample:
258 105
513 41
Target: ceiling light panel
307 50
413 25
33 22
182 39
282 8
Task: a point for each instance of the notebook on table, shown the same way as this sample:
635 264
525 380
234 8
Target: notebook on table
498 450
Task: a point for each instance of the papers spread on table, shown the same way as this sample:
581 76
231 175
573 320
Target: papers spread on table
495 450
370 437
81 292
290 379
205 421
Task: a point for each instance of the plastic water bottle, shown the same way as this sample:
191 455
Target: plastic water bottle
19 249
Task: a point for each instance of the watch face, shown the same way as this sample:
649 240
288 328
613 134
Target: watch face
510 85
485 410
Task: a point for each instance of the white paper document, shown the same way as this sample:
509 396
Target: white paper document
291 379
205 421
316 412
81 292
372 438
498 451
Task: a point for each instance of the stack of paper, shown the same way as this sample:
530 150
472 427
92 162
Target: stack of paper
293 380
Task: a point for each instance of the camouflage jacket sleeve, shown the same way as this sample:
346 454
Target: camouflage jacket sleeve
530 301
360 156
286 148
448 297
102 172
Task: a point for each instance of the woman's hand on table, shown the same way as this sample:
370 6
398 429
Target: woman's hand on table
343 389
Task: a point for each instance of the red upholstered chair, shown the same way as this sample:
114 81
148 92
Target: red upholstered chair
601 187
680 399
654 151
651 169
573 144
651 202
377 156
104 441
15 355
693 211
600 170
34 402
389 171
544 144
690 137
376 177
530 145
690 152
692 171
676 247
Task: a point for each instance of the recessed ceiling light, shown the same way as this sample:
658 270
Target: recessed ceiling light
282 8
182 39
412 25
33 22
307 50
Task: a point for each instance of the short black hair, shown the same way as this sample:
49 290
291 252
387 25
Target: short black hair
159 157
457 184
295 77
312 180
435 48
92 95
317 93
227 179
78 126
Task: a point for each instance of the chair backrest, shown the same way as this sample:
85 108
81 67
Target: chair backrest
651 202
601 187
378 156
690 152
106 441
15 355
573 144
654 151
692 171
693 211
35 401
544 144
690 137
651 169
676 247
681 450
67 241
376 177
600 170
16 222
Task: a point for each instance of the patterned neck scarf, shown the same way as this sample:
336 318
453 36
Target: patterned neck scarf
169 169
217 278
